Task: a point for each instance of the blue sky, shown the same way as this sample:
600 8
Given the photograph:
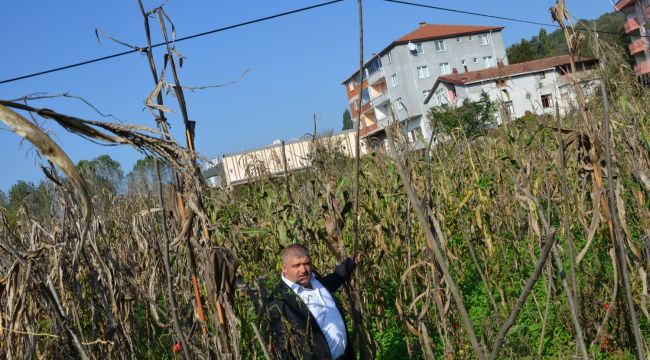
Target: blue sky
296 65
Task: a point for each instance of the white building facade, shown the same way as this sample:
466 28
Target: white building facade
531 87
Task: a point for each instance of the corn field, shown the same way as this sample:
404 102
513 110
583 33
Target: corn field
529 241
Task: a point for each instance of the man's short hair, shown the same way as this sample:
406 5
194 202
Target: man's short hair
294 250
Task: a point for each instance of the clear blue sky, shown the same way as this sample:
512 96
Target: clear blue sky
297 64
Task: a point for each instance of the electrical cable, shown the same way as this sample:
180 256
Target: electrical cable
161 44
498 17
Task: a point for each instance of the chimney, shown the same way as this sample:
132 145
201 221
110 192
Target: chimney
454 71
422 23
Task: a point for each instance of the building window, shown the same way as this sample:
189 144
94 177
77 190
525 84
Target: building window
483 39
389 57
425 93
415 134
475 60
547 101
487 60
439 97
462 62
398 104
469 37
510 109
393 80
351 85
419 49
445 68
458 39
423 72
365 96
542 76
440 45
500 82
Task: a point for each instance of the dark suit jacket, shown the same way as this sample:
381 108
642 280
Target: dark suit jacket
296 334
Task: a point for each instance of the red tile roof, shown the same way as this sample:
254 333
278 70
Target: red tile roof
507 70
434 31
622 4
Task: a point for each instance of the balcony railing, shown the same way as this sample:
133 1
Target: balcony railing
380 99
636 46
622 4
376 76
642 68
631 25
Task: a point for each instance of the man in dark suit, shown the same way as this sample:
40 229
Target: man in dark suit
306 320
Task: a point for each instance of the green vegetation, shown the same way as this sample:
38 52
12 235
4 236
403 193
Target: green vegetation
472 117
347 120
493 200
553 44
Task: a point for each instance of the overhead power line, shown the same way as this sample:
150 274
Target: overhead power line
496 16
162 43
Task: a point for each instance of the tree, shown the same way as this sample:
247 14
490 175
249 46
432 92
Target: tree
2 198
143 179
104 178
102 173
553 44
472 117
347 120
543 44
522 52
18 195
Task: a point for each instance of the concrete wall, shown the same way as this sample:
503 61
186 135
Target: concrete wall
250 165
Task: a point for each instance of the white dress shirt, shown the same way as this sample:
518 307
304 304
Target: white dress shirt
321 304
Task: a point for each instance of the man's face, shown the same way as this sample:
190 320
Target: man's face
298 270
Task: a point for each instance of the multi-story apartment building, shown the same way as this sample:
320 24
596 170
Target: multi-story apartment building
637 15
400 76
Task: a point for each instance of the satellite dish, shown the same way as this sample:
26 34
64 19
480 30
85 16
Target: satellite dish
411 46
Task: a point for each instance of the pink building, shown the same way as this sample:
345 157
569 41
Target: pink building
637 15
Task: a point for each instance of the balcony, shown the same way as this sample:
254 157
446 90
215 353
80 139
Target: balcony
642 68
636 46
622 4
631 25
368 129
365 106
376 76
380 99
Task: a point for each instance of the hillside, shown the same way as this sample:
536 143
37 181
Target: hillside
550 44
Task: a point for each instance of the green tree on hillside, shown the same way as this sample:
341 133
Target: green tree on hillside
543 44
347 120
521 52
552 44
